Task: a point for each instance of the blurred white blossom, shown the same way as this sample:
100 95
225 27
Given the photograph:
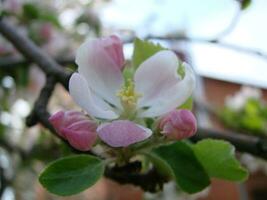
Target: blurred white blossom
238 100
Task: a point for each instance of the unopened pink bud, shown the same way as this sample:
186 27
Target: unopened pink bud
2 50
113 47
46 31
76 128
178 124
13 6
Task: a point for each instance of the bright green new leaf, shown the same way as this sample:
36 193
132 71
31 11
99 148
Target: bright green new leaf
71 175
128 73
218 158
189 173
32 11
143 50
188 104
245 4
181 70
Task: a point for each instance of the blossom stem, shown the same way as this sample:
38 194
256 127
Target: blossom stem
150 144
109 160
123 156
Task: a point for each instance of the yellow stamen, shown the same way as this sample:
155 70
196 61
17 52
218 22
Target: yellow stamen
128 96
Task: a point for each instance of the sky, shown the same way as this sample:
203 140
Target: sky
201 19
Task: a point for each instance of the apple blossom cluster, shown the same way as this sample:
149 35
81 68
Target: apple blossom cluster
115 108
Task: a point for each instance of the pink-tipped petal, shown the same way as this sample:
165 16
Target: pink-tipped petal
114 48
178 124
99 66
122 133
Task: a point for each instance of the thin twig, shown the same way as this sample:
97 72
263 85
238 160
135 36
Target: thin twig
233 23
39 112
217 42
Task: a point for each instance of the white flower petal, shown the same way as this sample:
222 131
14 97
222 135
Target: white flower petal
100 71
173 97
82 95
155 76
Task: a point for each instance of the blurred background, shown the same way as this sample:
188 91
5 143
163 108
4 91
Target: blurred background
225 42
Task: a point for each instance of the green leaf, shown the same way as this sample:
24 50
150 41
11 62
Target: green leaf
143 50
161 165
252 107
128 73
218 158
229 117
51 17
30 11
189 173
71 175
188 104
181 69
245 4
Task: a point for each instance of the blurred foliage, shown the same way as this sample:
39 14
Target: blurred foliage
245 4
91 20
32 11
250 119
20 75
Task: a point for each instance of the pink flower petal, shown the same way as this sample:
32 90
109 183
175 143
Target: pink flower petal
113 47
62 119
122 133
76 128
80 140
57 121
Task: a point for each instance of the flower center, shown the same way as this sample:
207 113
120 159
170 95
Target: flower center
129 97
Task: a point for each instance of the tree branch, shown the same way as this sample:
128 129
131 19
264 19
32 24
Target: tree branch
39 112
33 53
12 62
150 181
